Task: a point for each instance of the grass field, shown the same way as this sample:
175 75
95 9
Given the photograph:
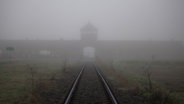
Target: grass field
29 81
166 77
42 81
166 73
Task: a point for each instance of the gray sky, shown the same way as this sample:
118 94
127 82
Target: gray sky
115 19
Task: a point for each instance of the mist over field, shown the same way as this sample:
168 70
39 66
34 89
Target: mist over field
91 51
117 19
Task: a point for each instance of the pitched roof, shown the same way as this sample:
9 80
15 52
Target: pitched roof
89 26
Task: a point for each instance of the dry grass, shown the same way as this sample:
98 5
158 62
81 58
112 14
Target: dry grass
166 77
32 81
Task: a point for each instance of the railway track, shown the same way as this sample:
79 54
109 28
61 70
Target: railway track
90 87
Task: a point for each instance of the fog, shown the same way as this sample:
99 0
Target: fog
115 19
91 51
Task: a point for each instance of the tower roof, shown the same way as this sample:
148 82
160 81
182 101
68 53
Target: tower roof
88 27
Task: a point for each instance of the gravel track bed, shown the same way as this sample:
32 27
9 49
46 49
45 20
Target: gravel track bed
90 90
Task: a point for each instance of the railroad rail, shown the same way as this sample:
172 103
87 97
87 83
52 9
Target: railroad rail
90 87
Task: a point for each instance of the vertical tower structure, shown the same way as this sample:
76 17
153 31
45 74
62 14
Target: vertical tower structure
89 33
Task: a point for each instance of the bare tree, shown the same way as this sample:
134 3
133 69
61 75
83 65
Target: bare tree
148 76
148 73
10 50
111 63
64 68
32 73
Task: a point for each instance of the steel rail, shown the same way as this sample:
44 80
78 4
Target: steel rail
68 99
111 95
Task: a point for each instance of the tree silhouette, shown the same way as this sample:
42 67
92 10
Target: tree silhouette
10 50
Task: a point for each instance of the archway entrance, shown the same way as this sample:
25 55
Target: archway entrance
89 53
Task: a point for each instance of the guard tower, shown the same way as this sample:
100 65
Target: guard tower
88 38
89 33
